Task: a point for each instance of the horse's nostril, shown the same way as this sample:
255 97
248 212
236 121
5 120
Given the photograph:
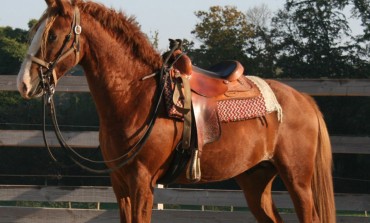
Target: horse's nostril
24 88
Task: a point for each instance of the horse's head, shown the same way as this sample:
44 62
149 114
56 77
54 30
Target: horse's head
54 49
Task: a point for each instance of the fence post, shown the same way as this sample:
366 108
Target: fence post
159 206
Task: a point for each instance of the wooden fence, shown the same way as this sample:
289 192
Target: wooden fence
207 205
315 87
200 205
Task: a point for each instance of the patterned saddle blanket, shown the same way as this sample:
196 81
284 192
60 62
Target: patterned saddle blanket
256 100
240 109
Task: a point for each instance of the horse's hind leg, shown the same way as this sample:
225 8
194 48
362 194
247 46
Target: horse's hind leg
297 174
256 184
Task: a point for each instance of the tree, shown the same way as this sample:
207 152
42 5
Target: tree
223 32
261 53
12 51
32 23
260 48
360 10
312 40
13 46
307 38
259 16
154 39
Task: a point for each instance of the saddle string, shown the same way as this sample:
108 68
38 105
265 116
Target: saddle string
127 156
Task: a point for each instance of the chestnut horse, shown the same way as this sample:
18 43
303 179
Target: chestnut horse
116 55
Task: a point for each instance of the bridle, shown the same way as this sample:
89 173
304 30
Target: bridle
48 82
48 78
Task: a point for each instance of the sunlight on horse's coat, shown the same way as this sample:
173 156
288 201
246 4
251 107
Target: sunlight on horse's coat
115 56
25 82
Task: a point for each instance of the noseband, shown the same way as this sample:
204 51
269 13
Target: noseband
48 78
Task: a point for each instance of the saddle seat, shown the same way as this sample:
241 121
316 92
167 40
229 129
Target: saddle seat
214 81
229 70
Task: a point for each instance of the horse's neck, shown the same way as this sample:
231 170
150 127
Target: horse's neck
113 74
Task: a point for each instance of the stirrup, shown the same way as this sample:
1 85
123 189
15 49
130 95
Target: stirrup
193 172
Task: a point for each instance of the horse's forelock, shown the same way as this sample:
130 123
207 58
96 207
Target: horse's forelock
49 16
48 13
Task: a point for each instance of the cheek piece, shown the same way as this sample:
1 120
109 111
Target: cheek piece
47 73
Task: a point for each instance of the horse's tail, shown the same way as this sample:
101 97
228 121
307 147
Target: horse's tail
322 181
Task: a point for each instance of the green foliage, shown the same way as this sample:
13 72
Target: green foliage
260 49
14 109
223 32
308 38
11 55
13 47
220 22
16 34
72 109
76 110
313 39
261 53
32 23
154 38
361 10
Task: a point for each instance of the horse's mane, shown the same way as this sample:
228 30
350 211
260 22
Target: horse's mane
124 29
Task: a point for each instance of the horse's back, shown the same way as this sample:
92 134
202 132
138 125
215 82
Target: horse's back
294 103
299 109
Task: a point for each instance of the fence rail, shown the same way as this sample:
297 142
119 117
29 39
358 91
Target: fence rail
197 197
90 139
315 87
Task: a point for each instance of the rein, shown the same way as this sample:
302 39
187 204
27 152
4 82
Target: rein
48 82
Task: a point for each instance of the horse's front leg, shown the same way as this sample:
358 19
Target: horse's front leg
136 209
121 191
142 204
134 196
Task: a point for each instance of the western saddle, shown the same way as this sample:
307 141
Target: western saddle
199 90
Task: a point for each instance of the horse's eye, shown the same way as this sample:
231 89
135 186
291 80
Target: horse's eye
52 37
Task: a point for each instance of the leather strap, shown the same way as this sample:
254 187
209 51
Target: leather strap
38 61
77 30
184 89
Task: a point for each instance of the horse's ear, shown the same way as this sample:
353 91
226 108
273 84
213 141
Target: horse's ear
65 6
74 2
50 3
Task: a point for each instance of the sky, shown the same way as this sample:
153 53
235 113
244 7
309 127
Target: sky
170 18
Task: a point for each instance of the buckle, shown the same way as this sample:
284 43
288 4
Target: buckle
78 29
